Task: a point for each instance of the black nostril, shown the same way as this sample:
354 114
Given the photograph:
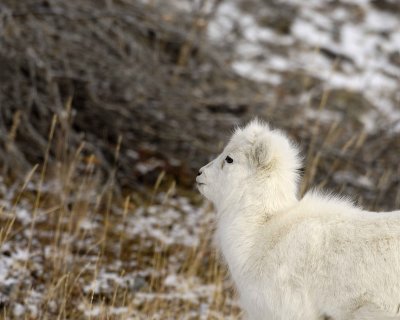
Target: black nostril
199 173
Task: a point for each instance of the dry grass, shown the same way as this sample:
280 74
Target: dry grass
131 62
74 248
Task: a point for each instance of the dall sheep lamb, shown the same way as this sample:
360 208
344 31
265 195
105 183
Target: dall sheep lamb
320 257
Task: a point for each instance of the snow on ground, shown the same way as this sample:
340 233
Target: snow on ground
127 267
352 45
349 44
181 223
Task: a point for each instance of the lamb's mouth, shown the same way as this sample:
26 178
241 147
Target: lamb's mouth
200 184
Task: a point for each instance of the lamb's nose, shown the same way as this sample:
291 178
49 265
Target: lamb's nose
199 173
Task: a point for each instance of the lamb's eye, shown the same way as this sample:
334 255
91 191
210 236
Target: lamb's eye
228 159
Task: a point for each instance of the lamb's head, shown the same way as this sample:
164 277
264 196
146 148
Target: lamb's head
259 164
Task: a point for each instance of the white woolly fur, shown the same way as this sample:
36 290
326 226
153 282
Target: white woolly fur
310 258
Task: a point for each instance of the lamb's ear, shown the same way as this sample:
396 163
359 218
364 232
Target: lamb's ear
258 155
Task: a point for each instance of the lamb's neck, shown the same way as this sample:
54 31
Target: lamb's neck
269 202
260 203
240 224
236 236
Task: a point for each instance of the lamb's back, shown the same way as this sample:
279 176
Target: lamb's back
351 254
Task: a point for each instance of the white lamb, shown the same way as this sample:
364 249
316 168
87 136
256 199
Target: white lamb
314 258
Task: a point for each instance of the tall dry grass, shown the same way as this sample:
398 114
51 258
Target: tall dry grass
76 235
